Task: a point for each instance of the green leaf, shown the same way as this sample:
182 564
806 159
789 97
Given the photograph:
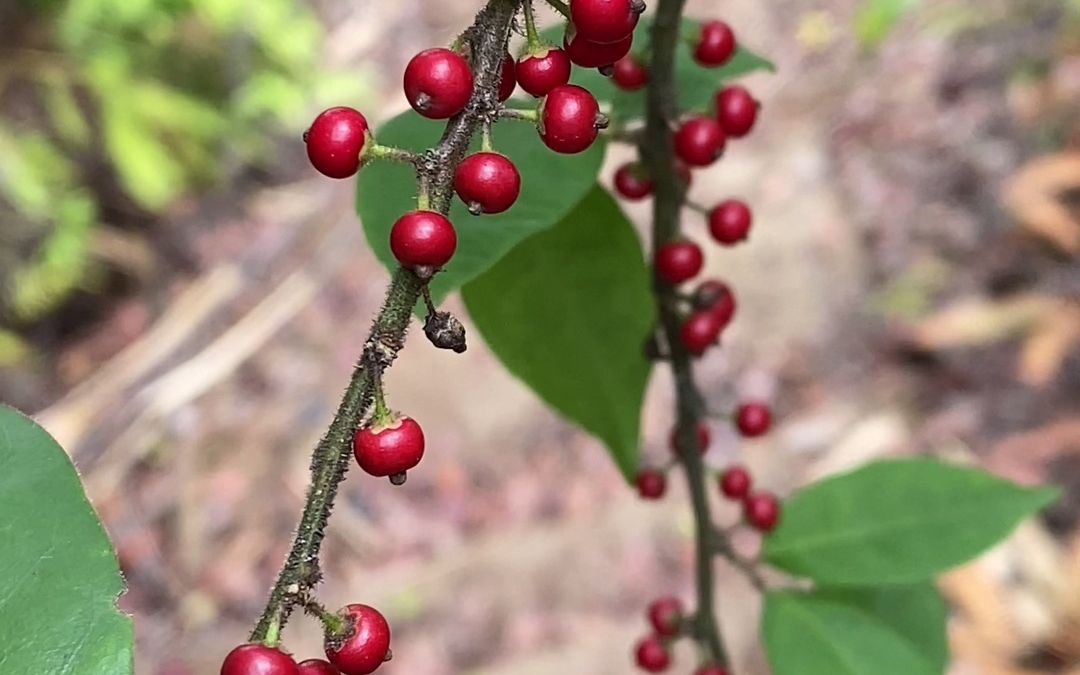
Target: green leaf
876 19
567 311
551 185
916 612
147 169
897 521
61 579
806 634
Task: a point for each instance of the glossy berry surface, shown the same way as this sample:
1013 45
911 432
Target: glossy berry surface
438 83
716 44
730 221
507 78
423 238
603 21
699 141
335 141
487 182
665 614
762 511
753 419
588 54
365 644
712 670
678 261
651 484
651 655
716 296
257 659
700 331
629 75
735 482
736 110
539 73
631 182
704 438
568 119
318 667
391 449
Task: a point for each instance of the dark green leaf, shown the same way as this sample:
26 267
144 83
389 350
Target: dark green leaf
567 311
897 521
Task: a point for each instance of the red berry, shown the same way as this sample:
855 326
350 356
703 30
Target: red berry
711 670
651 484
603 21
541 72
629 74
487 182
665 614
257 659
365 643
716 45
736 110
318 667
730 222
423 238
715 296
735 482
703 438
678 261
651 655
389 449
438 83
335 141
700 331
753 419
568 119
699 141
762 511
631 182
589 54
507 80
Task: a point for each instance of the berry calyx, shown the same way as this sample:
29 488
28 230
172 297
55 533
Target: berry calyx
678 261
318 667
487 182
570 119
632 183
588 54
423 239
629 75
699 141
716 44
438 83
651 483
762 511
715 296
753 419
736 110
364 643
711 670
665 615
700 331
335 140
507 79
604 21
258 659
729 222
735 482
651 655
703 438
540 72
390 448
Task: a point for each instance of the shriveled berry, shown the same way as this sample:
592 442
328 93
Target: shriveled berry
665 615
703 438
684 173
651 655
391 448
569 118
507 79
678 261
716 45
364 645
712 670
258 659
736 110
629 74
729 222
423 239
487 182
762 511
335 140
651 483
438 83
700 331
540 72
603 21
753 419
716 296
318 667
588 54
735 482
699 141
632 183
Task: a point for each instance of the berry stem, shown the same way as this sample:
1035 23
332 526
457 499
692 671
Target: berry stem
530 28
518 114
722 547
694 206
390 153
560 7
273 633
486 144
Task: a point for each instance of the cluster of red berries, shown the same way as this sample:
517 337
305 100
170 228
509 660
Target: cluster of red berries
666 617
357 647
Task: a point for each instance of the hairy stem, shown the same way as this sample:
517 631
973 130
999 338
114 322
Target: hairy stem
435 172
